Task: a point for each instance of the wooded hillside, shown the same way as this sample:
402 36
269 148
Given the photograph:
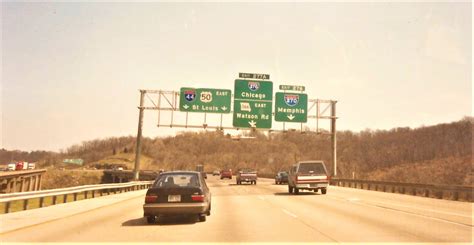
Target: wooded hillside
435 154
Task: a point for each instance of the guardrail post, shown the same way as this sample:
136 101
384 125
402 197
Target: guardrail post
455 196
439 194
85 194
55 200
75 196
93 194
427 193
41 204
65 198
7 207
25 204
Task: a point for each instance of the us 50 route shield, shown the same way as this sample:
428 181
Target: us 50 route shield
205 100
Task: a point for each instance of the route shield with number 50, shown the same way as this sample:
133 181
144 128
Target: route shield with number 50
207 100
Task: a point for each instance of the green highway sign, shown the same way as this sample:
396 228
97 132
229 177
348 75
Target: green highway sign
291 107
207 100
252 104
292 87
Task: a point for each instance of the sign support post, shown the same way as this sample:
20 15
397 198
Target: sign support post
136 170
333 138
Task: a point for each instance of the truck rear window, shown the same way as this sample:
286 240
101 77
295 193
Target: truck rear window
317 168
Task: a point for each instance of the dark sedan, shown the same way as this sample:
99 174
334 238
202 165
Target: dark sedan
281 177
178 193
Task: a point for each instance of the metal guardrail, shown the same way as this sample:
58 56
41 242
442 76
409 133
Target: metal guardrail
7 199
450 192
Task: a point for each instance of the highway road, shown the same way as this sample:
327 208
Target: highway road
267 213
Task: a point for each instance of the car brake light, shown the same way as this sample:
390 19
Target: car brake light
198 198
151 198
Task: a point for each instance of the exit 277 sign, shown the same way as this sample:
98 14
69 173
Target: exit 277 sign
207 100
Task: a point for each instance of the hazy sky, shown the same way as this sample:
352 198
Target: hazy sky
71 71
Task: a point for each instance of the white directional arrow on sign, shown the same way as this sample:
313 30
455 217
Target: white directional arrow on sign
291 117
185 107
224 108
253 124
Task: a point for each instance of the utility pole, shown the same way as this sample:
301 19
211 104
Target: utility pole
136 171
333 137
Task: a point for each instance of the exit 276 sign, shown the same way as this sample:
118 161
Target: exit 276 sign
207 100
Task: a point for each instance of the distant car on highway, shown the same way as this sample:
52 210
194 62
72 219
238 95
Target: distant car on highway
215 173
281 177
178 193
11 167
226 173
308 175
246 175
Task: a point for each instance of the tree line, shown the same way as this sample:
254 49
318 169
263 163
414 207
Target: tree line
364 155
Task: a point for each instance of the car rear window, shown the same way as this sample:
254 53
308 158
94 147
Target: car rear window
317 168
177 180
283 173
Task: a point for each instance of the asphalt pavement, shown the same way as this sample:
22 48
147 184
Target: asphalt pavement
265 212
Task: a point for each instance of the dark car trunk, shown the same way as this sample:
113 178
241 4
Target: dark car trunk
184 192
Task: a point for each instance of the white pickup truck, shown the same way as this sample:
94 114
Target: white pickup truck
308 175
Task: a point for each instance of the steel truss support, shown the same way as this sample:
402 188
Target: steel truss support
167 101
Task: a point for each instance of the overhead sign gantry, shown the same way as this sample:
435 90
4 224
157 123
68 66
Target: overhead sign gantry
252 106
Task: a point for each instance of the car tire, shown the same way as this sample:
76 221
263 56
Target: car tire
296 191
208 213
201 217
323 191
151 219
290 189
315 190
276 182
255 182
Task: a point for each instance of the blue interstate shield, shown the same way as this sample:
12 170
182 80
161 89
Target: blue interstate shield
254 86
291 99
190 95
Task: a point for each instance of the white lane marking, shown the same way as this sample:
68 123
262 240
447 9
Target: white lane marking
392 204
414 214
354 199
424 209
289 213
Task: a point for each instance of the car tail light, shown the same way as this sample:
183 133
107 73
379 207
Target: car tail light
151 198
197 198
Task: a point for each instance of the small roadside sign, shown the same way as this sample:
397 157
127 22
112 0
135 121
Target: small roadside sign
207 100
291 107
